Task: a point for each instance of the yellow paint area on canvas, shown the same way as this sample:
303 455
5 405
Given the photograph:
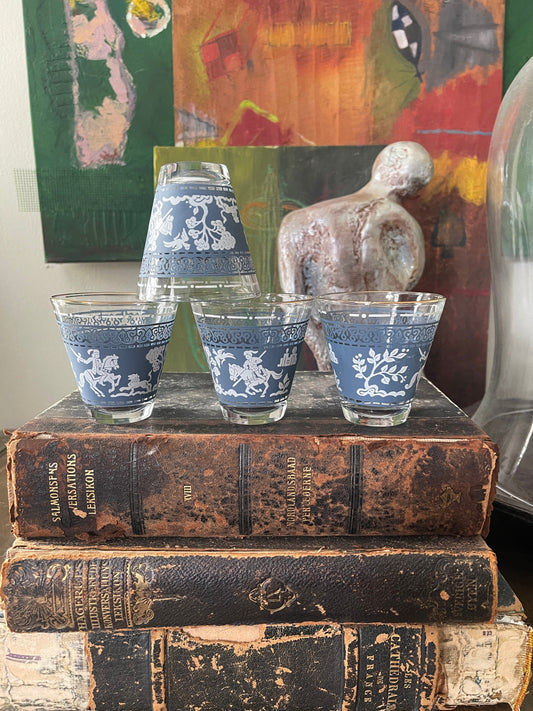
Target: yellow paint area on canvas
310 34
466 175
145 9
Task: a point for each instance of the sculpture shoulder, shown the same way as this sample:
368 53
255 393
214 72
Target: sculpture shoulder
321 214
305 224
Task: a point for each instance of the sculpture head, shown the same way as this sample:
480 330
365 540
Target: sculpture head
405 167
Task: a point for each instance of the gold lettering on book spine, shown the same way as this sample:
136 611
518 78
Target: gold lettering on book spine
291 491
368 680
72 491
294 484
394 671
78 595
118 596
387 667
106 595
93 594
53 491
90 492
307 488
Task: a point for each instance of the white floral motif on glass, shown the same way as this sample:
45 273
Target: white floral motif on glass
333 358
216 358
160 224
156 358
205 235
380 369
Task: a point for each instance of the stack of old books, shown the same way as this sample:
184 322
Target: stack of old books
184 563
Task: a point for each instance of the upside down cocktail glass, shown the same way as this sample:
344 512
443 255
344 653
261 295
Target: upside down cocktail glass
252 348
378 343
116 345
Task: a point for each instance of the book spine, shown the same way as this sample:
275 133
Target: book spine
92 589
288 667
235 484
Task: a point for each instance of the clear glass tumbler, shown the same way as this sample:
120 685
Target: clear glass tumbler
252 348
196 247
378 343
116 345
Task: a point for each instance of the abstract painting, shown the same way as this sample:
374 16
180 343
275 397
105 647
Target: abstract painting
100 84
338 72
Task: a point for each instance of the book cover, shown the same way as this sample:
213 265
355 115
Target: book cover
186 472
53 585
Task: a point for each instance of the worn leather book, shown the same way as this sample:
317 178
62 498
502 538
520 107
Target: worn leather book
289 667
53 585
186 472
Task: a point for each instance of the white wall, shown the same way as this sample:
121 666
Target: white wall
34 370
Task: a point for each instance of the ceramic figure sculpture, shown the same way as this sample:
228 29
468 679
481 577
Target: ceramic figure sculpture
365 241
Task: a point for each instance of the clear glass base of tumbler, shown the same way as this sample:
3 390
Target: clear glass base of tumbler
253 415
182 289
121 415
375 417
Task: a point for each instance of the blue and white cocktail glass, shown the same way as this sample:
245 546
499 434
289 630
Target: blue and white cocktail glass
116 345
252 348
195 247
378 343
